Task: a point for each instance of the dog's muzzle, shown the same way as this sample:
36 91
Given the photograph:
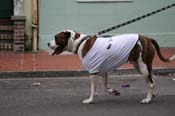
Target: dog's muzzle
57 49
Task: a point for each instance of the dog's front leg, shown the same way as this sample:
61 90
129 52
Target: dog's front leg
93 80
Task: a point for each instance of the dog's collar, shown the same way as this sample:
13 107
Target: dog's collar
82 40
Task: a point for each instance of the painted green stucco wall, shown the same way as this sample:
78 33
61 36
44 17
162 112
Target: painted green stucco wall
89 18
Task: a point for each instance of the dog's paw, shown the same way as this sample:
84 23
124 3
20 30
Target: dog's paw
146 101
113 92
87 101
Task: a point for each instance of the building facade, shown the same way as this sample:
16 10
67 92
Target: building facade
30 24
91 16
16 24
12 25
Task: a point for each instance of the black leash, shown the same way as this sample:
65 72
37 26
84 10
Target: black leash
135 19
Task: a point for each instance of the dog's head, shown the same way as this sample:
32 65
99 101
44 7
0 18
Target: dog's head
61 41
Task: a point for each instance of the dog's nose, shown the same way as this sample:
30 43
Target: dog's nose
48 44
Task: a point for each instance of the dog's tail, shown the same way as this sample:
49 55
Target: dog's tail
160 54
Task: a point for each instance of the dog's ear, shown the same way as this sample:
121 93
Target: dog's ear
67 34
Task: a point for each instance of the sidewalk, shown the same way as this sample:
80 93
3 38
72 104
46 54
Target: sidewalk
42 61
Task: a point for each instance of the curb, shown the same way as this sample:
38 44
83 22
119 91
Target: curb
78 73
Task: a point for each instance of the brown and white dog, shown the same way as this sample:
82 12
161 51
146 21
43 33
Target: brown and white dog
141 55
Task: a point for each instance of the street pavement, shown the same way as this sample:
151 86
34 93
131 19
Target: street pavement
63 96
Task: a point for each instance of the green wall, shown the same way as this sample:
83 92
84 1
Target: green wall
89 18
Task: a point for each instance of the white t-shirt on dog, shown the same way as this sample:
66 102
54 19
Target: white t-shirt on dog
107 54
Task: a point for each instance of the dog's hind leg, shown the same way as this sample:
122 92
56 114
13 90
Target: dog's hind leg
147 74
143 62
105 85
